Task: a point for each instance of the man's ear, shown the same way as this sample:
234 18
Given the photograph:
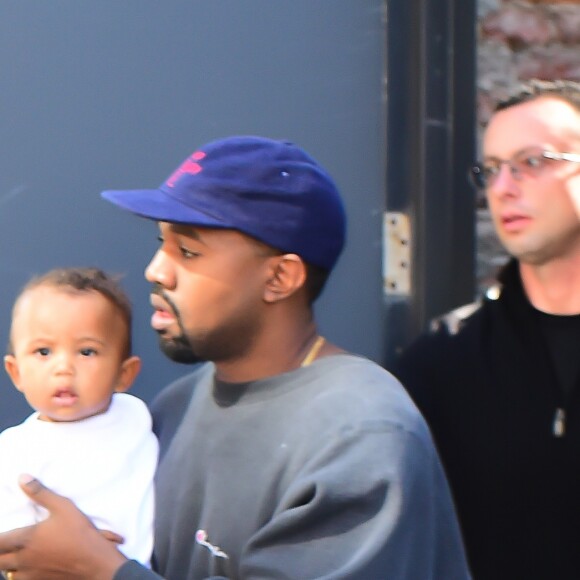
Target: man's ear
288 275
11 366
129 370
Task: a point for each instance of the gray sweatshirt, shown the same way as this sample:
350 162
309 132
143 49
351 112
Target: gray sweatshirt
328 471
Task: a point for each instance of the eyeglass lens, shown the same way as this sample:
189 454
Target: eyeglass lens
527 163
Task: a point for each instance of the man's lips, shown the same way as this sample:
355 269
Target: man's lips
163 315
513 222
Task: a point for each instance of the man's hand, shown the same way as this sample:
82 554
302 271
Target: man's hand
65 546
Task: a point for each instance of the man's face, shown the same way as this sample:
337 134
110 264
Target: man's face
208 292
534 217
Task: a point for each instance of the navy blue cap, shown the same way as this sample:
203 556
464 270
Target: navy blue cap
270 190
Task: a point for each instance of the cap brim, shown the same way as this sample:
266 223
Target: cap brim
156 205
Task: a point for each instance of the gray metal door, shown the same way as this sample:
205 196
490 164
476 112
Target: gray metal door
108 94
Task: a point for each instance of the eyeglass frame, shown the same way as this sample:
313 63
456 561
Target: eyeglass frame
480 182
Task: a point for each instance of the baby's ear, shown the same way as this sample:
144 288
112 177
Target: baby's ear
129 370
11 366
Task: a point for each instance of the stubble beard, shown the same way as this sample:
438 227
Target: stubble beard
226 342
175 348
178 349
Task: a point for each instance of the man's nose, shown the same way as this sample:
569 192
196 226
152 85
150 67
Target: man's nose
160 271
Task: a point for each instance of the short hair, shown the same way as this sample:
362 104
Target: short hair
83 280
567 91
316 278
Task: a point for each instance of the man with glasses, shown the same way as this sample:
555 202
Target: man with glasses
499 382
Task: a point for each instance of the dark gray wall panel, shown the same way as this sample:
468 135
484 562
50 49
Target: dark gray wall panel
108 94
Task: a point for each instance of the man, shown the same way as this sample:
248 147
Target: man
500 386
283 457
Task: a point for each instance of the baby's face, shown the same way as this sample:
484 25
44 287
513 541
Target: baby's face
67 352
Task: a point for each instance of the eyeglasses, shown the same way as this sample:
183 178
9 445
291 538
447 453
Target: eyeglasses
528 163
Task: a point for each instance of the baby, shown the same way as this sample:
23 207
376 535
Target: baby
69 353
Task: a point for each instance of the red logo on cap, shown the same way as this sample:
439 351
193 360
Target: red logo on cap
190 166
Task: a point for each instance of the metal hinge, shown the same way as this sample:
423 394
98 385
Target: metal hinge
396 254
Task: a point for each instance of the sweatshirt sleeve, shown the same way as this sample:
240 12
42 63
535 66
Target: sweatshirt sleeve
374 503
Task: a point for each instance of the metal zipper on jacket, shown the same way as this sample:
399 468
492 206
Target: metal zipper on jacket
559 425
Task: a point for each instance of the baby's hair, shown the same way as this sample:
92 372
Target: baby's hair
83 280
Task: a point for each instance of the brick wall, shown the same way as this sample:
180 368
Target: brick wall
519 40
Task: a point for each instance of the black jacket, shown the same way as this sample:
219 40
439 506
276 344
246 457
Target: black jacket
508 438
